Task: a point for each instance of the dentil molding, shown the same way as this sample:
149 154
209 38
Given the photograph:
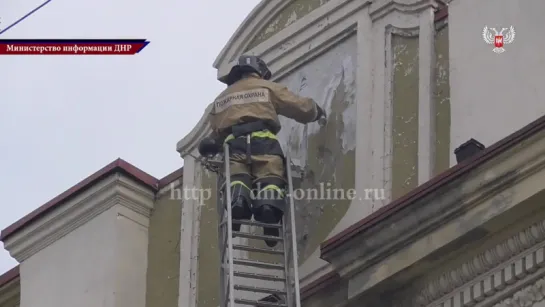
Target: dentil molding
488 275
114 190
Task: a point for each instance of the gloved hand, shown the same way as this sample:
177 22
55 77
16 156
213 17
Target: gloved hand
209 146
321 113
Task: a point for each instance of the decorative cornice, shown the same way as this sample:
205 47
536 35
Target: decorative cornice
382 8
491 270
301 42
114 190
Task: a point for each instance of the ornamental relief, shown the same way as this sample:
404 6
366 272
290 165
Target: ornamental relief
529 296
491 276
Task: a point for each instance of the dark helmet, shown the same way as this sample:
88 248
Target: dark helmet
247 64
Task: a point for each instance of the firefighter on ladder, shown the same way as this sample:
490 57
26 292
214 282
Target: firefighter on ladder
245 116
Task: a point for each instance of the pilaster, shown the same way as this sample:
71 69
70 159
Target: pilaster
89 250
189 237
413 18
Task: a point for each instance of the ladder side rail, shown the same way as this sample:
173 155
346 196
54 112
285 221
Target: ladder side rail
221 238
287 260
288 250
224 264
222 233
229 225
293 229
224 248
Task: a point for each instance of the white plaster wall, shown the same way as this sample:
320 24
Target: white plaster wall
102 263
319 79
493 95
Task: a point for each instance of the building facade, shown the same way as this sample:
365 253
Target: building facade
404 83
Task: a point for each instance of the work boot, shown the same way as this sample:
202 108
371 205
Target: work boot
270 215
240 210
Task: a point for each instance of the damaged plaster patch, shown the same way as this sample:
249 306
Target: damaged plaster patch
349 114
297 134
326 152
291 19
271 28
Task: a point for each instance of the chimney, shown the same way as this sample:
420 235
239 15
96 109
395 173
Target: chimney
468 150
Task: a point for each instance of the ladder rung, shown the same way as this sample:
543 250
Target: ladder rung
259 276
259 290
259 224
259 304
254 236
259 264
257 249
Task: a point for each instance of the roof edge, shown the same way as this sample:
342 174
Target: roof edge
119 165
432 185
173 176
9 276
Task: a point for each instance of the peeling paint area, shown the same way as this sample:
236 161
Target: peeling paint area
327 152
290 14
405 114
442 100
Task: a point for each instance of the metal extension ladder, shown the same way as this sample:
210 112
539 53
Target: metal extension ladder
239 276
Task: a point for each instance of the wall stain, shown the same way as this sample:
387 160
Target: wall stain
442 101
405 114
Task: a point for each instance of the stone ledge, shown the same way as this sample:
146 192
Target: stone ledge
436 219
116 189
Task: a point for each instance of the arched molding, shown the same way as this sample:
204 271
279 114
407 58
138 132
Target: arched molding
253 24
189 143
287 50
294 40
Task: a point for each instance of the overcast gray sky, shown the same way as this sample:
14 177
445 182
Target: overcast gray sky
64 117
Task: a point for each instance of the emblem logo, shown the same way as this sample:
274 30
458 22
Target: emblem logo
498 38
